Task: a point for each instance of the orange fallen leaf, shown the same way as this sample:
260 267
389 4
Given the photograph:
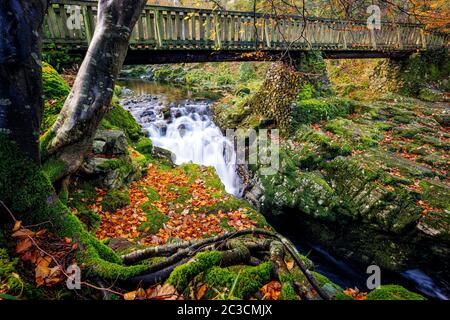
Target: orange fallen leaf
17 226
23 245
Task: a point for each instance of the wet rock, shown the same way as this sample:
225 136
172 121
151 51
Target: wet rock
164 154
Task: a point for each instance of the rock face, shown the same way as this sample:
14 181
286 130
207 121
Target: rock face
424 75
373 188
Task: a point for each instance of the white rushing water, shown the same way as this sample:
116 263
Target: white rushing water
190 134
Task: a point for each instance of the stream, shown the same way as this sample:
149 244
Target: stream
179 120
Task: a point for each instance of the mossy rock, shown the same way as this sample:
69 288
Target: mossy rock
115 199
120 119
393 292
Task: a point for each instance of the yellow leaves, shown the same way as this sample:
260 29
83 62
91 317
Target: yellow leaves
17 226
40 248
201 291
130 295
23 245
290 264
186 204
271 291
158 292
23 233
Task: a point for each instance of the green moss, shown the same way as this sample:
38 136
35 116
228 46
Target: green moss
343 296
54 86
220 278
183 274
436 193
9 281
155 219
115 199
315 110
55 90
119 118
144 146
393 292
53 168
244 283
306 92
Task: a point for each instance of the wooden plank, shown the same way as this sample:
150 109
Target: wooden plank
159 28
217 31
202 20
141 28
149 18
194 20
88 22
53 22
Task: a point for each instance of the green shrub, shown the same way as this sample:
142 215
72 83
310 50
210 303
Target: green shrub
59 57
306 92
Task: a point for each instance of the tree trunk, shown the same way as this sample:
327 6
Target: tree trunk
72 135
21 102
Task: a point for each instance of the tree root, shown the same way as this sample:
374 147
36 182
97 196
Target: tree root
236 252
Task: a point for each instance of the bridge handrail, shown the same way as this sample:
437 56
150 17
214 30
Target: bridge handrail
163 27
246 13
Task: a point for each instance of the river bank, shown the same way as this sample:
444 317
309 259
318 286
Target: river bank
155 122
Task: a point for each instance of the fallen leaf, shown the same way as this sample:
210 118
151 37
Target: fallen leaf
201 291
23 245
17 225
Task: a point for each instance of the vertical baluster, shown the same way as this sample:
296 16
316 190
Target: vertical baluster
150 26
53 23
88 22
202 20
159 29
62 19
141 29
180 26
194 19
239 29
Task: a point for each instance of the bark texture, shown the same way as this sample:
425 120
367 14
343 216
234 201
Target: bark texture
21 103
90 99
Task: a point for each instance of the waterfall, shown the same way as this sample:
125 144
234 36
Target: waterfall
186 129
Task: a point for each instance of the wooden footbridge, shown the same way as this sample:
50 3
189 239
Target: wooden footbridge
175 34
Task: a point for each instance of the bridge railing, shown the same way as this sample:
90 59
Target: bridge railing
165 28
